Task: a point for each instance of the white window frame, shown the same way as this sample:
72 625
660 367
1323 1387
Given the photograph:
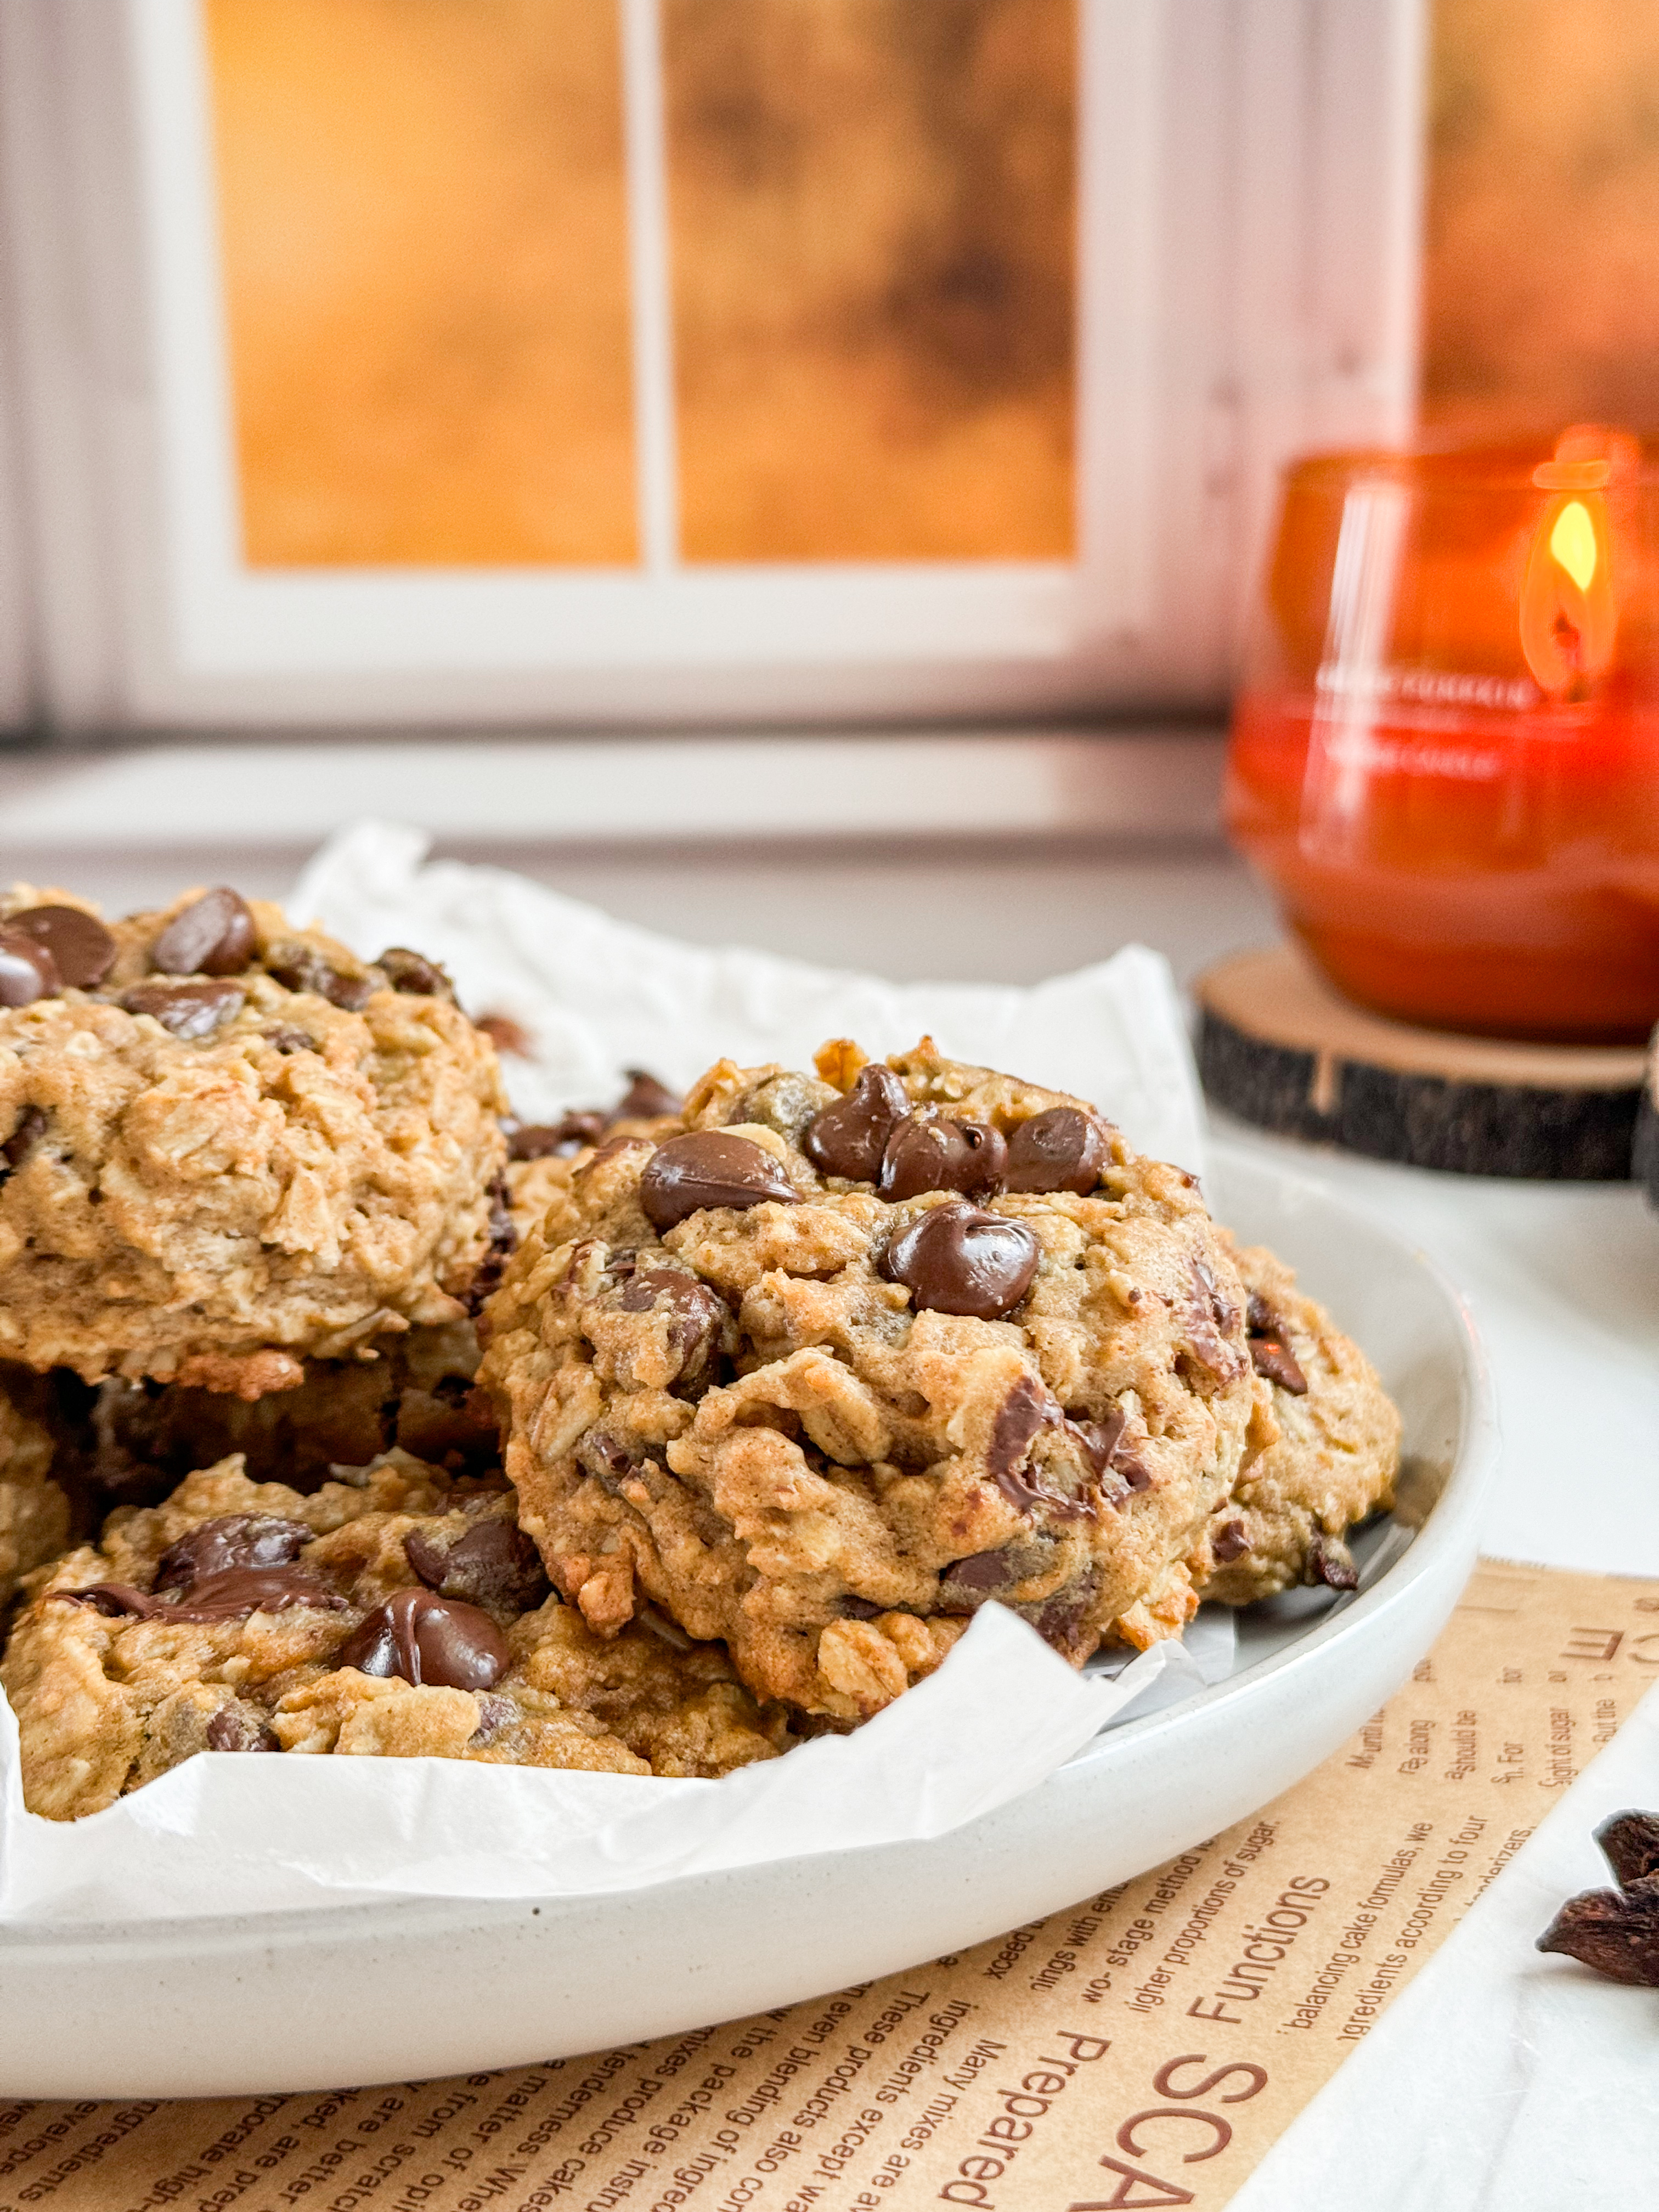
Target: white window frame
1247 257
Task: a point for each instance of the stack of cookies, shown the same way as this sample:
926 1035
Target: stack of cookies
781 1384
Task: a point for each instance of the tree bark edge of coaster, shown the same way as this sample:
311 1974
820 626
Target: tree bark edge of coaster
1645 1151
1279 1048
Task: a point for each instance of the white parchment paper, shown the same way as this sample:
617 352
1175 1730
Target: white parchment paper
223 1835
597 995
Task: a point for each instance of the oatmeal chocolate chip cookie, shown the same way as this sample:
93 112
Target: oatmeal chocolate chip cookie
1334 1464
226 1144
133 1443
395 1613
851 1354
35 1510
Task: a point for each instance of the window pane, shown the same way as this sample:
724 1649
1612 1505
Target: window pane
424 226
872 220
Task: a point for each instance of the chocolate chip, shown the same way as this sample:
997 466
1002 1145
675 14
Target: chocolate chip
30 1128
300 967
539 1140
426 1638
503 1243
849 1138
413 971
507 1034
607 1459
710 1167
1228 1542
213 935
1102 1444
698 1317
112 1599
955 1259
287 1039
645 1098
1023 1413
1614 1932
27 970
83 951
231 1594
1064 1622
239 1727
931 1153
859 1608
1210 1317
493 1563
1064 1149
234 1540
1630 1845
1270 1351
188 1011
1330 1562
981 1572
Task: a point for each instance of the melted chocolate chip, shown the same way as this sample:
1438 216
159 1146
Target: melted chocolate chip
83 951
493 1563
30 1127
1330 1562
698 1316
1063 1622
1630 1845
188 1011
931 1153
1023 1413
859 1608
234 1540
981 1571
710 1167
413 971
503 1243
429 1639
239 1727
645 1098
1064 1149
231 1594
1270 1348
955 1259
849 1138
213 935
27 970
1102 1444
1228 1542
1210 1317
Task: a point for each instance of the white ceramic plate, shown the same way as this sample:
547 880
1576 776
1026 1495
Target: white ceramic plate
405 1991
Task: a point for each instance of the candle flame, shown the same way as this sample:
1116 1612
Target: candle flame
1573 541
1568 616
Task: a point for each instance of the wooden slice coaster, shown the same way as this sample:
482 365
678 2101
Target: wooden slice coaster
1277 1047
1645 1152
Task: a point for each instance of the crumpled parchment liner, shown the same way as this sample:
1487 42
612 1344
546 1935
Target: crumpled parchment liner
231 1835
597 995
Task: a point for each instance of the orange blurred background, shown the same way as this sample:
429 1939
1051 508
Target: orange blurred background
424 216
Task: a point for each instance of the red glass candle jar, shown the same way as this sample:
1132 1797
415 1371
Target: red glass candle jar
1445 750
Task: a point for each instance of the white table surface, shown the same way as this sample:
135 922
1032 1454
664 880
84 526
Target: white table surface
1563 1279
